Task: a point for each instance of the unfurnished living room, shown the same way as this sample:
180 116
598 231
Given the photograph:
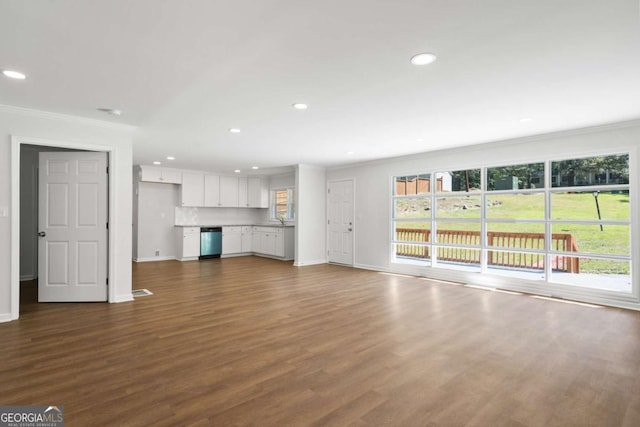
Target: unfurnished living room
295 213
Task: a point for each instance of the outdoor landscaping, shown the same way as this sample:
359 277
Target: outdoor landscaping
570 206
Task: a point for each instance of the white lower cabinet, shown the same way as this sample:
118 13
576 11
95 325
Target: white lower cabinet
236 240
275 242
231 240
247 239
188 243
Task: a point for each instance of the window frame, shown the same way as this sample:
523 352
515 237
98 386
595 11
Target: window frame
290 204
547 223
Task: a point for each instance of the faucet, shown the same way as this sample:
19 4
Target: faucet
281 219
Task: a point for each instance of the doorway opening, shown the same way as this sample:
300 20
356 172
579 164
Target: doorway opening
24 214
29 220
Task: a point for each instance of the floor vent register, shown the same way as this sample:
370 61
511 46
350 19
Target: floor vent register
141 292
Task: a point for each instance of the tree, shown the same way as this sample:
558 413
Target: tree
576 172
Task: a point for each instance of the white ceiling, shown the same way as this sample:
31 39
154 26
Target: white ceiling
185 72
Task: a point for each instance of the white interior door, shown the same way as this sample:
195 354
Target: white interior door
340 221
72 225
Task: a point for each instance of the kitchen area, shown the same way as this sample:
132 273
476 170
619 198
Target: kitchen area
191 215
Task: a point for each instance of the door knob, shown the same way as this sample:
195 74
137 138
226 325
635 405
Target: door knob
42 234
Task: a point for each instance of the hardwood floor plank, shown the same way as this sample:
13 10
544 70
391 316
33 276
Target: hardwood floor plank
253 341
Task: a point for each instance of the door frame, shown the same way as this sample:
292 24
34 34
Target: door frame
16 142
353 215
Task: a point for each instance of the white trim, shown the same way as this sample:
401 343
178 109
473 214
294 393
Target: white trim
27 277
158 258
123 298
236 254
15 229
271 256
68 118
291 200
312 262
371 268
16 142
5 317
353 216
188 259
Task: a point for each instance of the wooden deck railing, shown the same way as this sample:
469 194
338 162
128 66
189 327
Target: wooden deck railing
503 239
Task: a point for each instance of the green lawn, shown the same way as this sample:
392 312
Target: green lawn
613 239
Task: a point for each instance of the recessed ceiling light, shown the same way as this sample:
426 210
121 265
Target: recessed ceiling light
419 139
237 171
255 168
351 152
170 158
234 130
526 120
14 74
298 106
423 58
112 111
157 163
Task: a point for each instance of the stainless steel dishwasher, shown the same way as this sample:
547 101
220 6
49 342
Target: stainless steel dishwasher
210 242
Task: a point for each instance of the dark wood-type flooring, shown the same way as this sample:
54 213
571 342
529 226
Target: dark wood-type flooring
253 341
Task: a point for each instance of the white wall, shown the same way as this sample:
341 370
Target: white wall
40 128
373 191
155 221
311 216
282 181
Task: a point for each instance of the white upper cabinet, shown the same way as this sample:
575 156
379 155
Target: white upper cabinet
200 189
212 191
192 191
154 174
257 192
220 191
243 202
229 191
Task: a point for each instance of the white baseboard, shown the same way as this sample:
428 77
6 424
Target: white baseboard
235 255
271 256
5 317
123 298
312 262
187 259
27 277
371 267
155 258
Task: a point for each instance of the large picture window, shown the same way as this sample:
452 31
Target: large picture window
564 221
